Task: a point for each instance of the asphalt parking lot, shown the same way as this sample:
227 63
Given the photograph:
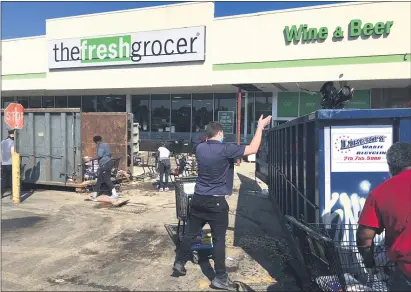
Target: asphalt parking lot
56 241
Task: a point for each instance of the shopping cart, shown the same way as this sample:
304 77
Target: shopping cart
184 190
332 260
202 245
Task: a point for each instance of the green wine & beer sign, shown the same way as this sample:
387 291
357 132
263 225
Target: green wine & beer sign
356 28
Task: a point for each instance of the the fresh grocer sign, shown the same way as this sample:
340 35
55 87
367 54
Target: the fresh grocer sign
149 47
360 148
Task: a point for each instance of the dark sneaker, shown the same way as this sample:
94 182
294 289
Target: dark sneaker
224 283
179 269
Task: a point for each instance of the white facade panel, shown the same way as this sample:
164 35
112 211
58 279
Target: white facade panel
364 72
23 56
384 39
261 38
131 21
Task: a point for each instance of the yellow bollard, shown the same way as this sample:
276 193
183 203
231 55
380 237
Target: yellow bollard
16 177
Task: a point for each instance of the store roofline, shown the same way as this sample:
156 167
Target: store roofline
24 38
195 3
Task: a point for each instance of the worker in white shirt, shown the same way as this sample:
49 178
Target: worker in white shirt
7 148
163 167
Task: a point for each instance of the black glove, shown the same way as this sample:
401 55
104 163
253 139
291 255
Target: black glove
367 253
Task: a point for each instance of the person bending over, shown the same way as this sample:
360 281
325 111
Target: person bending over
105 165
215 181
388 207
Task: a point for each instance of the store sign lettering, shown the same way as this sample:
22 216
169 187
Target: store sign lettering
356 28
363 148
150 47
351 143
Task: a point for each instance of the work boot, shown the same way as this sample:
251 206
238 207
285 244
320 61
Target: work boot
223 282
179 269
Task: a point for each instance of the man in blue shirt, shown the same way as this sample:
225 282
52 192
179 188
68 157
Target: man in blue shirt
214 182
105 166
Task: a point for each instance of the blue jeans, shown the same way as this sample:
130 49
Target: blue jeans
164 169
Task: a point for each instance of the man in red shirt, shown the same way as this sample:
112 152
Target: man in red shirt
388 207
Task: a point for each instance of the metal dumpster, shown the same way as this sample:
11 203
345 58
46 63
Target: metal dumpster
54 141
322 166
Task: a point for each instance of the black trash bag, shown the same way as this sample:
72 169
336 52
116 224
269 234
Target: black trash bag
333 98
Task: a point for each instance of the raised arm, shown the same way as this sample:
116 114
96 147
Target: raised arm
255 143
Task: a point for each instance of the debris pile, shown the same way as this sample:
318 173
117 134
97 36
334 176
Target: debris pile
90 169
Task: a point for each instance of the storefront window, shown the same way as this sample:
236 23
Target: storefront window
203 106
253 105
116 103
35 101
180 116
60 101
247 116
48 102
140 106
6 101
288 105
160 116
24 101
360 100
309 103
390 98
226 103
89 104
74 101
263 104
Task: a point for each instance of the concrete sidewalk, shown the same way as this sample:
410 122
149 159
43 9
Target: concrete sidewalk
56 241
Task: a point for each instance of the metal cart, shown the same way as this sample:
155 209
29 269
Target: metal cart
184 190
332 260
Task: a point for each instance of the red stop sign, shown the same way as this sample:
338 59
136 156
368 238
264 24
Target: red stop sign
14 116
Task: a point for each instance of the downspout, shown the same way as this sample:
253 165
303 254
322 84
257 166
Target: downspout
239 121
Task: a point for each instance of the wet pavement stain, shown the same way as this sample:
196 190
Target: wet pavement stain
17 223
134 245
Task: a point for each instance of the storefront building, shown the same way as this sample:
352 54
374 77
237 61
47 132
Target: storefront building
177 67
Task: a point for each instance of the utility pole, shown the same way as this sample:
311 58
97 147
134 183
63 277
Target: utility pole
239 95
15 164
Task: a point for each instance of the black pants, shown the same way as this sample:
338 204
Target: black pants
164 169
104 176
6 178
211 210
399 282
